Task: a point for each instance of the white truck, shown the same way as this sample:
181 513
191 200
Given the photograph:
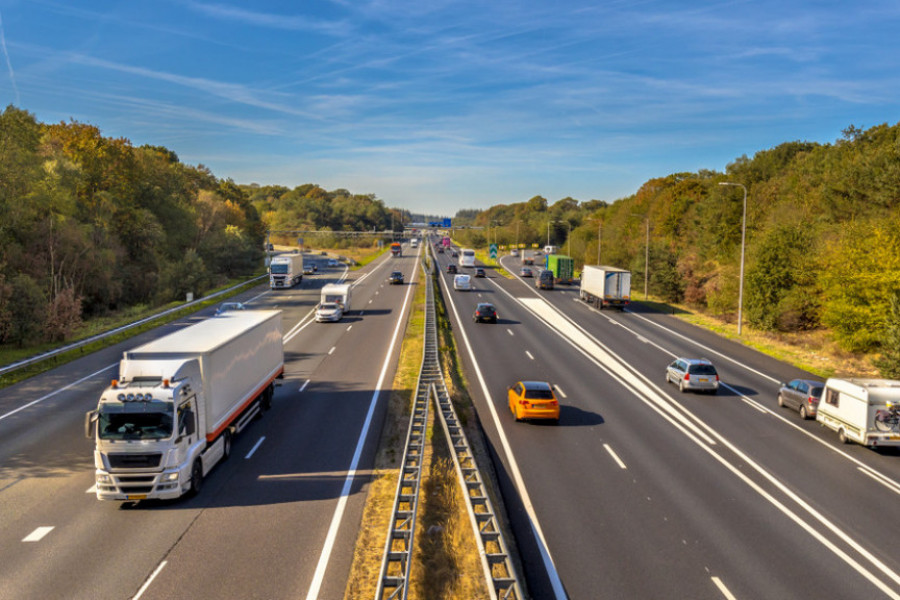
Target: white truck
860 410
337 292
605 286
170 416
285 270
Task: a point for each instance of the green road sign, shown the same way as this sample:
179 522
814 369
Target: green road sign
493 250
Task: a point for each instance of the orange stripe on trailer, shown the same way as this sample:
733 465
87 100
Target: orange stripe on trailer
211 437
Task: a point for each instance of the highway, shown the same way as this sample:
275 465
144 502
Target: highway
279 519
645 492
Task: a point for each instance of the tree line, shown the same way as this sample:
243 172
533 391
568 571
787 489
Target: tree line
822 241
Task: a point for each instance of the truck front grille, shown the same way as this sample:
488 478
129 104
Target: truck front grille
127 460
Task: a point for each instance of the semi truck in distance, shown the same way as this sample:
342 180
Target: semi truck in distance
563 267
605 287
337 292
396 249
178 401
285 270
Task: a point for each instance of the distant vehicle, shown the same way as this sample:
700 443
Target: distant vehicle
865 411
544 280
533 400
527 260
396 250
802 395
454 254
440 249
451 268
329 312
479 272
169 416
230 306
333 262
462 283
336 292
563 267
309 269
525 272
446 242
396 277
485 313
514 252
468 258
693 374
285 270
605 287
414 243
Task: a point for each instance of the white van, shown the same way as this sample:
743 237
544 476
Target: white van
462 283
850 407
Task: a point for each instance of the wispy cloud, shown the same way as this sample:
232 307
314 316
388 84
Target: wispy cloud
270 20
12 75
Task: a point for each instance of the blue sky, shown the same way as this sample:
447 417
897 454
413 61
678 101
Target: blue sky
435 105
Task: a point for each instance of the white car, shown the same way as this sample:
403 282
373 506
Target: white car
329 311
462 282
332 262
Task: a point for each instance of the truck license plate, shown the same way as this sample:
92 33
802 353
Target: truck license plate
136 497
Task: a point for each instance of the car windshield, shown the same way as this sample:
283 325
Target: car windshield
135 420
538 394
279 268
396 274
702 370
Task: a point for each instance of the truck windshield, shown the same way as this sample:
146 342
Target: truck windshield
135 420
279 268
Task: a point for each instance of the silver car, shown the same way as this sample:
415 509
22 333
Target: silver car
693 374
802 395
329 311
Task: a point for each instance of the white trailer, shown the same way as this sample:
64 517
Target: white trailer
285 270
850 407
337 292
605 286
171 415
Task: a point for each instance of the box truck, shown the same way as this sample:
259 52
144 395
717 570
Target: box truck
396 250
605 286
862 410
171 414
285 270
563 267
337 292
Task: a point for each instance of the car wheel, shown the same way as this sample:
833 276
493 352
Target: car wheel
196 477
681 386
803 414
780 400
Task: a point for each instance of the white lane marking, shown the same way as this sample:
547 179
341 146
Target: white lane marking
725 591
370 302
319 575
509 331
616 368
615 456
305 383
560 392
91 490
889 484
349 327
55 392
255 446
38 534
528 354
559 591
149 580
330 352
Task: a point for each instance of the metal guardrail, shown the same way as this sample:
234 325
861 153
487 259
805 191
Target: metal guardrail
495 559
44 356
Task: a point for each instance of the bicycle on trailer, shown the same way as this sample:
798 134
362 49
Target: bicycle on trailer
888 419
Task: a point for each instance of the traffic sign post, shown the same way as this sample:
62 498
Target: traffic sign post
494 251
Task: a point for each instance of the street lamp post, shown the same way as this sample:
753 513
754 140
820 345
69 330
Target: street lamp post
646 252
743 240
599 231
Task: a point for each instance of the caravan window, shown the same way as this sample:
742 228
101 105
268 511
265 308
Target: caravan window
832 396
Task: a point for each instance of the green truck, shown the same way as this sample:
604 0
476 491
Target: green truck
563 267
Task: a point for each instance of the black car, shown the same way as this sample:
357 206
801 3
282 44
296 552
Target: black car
396 277
451 268
485 313
440 249
479 272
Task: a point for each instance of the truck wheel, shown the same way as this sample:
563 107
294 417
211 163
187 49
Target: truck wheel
226 444
265 403
196 477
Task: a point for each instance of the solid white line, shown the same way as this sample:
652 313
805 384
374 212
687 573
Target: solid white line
319 575
723 589
91 490
305 383
509 331
330 352
889 484
528 354
149 580
615 456
38 534
257 445
559 390
349 327
55 392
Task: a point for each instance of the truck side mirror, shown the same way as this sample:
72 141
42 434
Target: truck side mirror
90 420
